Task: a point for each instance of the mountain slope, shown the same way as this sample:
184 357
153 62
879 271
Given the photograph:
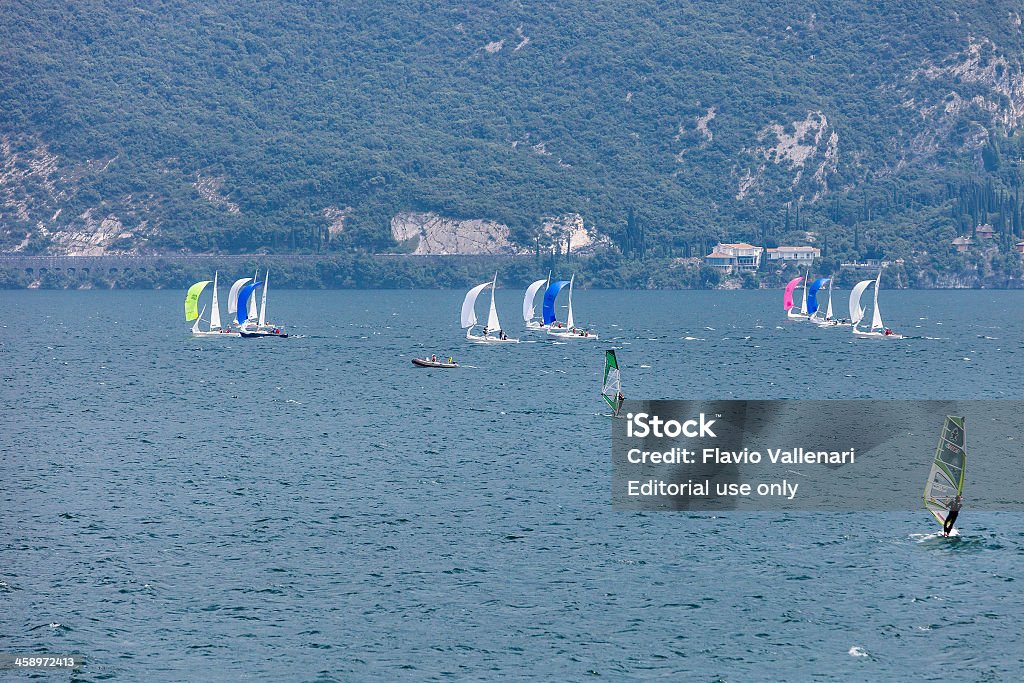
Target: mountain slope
208 126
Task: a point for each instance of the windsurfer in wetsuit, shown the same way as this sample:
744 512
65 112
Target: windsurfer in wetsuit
954 511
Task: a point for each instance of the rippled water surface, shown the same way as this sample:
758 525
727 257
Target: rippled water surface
317 508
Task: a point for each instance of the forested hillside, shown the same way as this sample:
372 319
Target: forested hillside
881 128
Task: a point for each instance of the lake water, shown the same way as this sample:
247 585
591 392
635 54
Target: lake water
317 509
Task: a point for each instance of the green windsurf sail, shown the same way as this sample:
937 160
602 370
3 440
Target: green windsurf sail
612 386
946 478
192 299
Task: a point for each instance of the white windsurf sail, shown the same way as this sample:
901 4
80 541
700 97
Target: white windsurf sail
946 478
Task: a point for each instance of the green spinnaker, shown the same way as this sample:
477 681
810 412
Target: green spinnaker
192 299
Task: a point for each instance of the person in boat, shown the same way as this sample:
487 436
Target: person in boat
433 358
888 332
485 330
450 360
954 512
501 335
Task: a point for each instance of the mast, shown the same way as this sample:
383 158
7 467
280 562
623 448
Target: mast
569 321
215 311
263 303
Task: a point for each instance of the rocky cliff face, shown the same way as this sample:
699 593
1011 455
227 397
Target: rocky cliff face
429 233
37 187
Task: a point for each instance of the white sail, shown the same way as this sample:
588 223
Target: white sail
492 316
876 317
468 304
251 309
528 300
856 310
263 303
233 295
803 304
828 312
215 311
569 321
195 327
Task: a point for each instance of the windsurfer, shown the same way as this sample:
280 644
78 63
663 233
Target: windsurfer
954 511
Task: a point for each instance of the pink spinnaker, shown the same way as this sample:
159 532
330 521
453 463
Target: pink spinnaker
787 298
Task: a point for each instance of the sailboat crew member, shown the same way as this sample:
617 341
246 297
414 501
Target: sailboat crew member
954 511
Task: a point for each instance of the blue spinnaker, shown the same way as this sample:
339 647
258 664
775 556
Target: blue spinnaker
812 295
243 302
549 300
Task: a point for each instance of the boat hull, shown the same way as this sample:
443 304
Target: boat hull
476 339
797 316
219 334
876 335
425 363
571 333
253 334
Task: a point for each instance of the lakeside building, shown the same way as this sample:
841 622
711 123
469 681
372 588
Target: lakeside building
730 258
793 254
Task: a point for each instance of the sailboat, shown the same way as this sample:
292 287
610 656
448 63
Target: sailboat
555 328
787 297
946 477
492 333
878 329
787 300
243 307
528 304
611 387
262 328
192 303
829 320
812 298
